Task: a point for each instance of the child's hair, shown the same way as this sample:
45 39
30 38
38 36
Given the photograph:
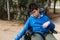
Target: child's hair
33 6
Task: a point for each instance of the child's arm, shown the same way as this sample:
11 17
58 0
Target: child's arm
20 34
49 24
45 25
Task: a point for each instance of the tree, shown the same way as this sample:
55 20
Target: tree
8 10
54 6
2 9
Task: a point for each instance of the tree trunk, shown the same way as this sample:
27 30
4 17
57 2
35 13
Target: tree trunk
54 6
8 10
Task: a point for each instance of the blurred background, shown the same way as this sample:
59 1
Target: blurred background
14 13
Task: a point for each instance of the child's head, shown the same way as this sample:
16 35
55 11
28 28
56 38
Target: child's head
34 9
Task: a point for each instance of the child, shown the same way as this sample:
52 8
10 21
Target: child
40 24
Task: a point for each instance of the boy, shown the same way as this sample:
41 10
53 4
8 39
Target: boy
40 24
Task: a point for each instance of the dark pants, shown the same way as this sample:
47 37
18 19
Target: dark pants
39 37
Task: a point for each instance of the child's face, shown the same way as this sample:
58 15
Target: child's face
35 13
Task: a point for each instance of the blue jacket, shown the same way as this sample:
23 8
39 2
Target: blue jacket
36 24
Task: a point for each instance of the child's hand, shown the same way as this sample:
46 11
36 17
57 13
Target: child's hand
20 39
45 25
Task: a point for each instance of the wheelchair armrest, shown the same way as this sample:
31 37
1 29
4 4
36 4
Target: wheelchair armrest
54 31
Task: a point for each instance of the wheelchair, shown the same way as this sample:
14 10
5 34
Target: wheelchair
29 33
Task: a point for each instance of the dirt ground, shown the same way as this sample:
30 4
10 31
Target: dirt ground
9 29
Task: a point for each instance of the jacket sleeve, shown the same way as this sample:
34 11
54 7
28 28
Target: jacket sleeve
20 34
51 26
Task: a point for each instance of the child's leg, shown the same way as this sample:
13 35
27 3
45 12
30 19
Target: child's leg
36 37
50 37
